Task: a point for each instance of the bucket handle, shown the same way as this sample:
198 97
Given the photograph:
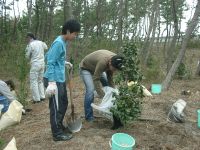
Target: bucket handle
110 143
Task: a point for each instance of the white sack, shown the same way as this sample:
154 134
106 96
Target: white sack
11 145
12 115
146 92
176 113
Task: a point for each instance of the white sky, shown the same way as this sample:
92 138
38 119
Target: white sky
20 6
188 14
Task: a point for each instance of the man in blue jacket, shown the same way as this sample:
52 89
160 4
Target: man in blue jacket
54 79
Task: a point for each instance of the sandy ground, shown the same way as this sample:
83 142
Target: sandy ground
153 132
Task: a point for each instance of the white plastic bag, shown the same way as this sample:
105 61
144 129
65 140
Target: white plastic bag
12 115
11 145
107 102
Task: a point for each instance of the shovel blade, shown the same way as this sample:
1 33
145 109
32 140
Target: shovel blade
75 125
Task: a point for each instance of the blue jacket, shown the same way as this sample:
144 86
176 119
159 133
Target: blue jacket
55 61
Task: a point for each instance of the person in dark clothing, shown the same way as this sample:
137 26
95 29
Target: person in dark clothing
55 82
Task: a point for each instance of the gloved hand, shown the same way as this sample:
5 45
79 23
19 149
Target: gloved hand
51 89
68 64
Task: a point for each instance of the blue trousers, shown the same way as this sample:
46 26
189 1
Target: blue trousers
5 103
89 93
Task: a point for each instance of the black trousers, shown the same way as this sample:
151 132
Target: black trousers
58 106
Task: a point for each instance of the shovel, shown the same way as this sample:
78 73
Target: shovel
74 122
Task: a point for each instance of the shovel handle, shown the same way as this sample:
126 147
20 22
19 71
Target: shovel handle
70 87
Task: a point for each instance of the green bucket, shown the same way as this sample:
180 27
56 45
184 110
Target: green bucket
156 88
198 118
122 141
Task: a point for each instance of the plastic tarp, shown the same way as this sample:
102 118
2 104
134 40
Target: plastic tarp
11 145
12 115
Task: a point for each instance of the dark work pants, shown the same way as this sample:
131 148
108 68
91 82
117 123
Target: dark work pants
58 107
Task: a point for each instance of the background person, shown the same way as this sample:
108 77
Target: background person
92 71
35 53
6 94
54 79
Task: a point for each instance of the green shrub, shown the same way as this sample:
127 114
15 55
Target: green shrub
22 74
152 70
1 143
193 43
183 73
127 105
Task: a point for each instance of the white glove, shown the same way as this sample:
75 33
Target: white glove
51 89
68 64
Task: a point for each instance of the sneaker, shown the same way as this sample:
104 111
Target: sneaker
66 130
34 102
62 137
42 99
90 120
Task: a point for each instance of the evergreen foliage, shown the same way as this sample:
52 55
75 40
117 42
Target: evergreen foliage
127 105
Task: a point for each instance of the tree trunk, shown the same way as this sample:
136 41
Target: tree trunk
167 82
159 31
85 22
151 25
46 9
29 8
4 19
99 18
198 69
152 39
172 47
120 22
37 17
126 24
14 24
67 10
50 18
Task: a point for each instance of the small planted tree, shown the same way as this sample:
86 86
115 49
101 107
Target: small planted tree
22 73
127 106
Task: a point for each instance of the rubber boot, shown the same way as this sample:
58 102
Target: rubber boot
116 123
